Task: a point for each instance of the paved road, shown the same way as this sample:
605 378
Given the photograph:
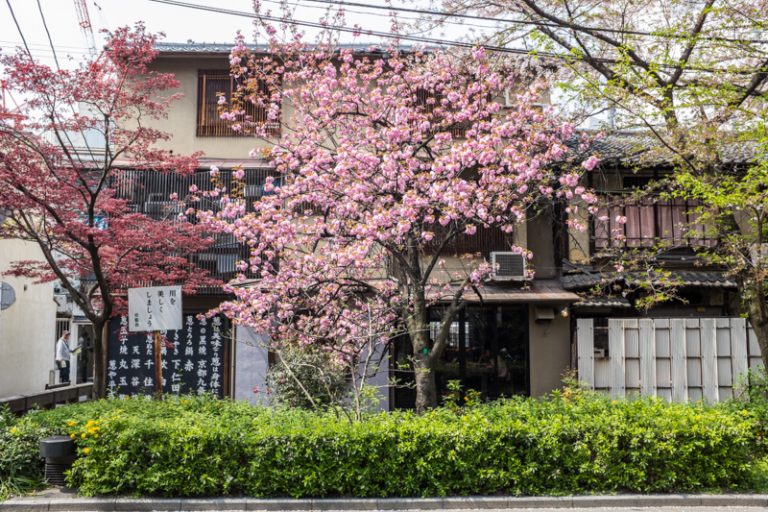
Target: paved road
601 509
642 509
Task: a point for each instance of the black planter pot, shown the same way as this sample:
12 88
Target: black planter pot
59 454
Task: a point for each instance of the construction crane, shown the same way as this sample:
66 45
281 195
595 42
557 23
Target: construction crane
84 20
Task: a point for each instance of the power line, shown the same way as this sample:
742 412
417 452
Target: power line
586 29
31 58
71 106
48 33
18 27
385 35
439 42
41 46
297 3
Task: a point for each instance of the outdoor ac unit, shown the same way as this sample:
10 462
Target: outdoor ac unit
507 266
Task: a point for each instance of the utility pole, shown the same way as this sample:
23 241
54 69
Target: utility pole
84 20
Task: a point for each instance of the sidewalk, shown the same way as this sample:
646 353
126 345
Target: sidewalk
55 500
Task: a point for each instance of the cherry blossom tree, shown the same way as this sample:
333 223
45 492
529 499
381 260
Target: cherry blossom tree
61 163
387 158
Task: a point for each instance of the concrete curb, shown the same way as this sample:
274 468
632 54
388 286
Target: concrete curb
61 504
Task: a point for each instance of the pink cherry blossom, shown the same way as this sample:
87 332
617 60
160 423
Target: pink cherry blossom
386 159
590 163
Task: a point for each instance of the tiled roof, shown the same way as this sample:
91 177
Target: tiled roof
702 279
584 281
633 148
603 302
193 47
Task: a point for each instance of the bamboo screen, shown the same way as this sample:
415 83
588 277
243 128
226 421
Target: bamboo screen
210 85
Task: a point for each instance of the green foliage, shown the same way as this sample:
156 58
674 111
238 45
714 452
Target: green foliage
573 442
308 378
20 466
457 398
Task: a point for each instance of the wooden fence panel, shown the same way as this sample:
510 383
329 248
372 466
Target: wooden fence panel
585 335
616 344
647 358
678 359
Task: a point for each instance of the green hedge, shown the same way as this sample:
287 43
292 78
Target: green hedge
578 444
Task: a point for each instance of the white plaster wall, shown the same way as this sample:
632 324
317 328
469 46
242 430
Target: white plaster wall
378 377
27 328
251 365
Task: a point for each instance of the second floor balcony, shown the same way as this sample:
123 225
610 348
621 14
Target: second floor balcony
649 222
165 196
483 242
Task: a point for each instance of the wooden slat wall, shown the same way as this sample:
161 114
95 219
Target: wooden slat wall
678 359
616 345
212 83
585 334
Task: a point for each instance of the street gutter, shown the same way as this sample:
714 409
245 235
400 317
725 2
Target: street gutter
63 502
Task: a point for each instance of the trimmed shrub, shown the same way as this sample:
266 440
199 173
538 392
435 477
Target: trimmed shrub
567 444
21 468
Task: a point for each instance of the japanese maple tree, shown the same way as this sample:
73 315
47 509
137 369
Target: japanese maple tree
387 157
61 163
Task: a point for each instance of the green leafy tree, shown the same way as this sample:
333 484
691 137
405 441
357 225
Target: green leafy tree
693 74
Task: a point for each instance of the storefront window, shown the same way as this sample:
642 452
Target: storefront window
487 351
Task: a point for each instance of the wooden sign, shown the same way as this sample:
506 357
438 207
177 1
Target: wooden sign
189 360
157 308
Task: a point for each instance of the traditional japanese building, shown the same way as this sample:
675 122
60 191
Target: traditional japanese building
516 336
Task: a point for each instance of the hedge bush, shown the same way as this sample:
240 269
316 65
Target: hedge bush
20 467
564 444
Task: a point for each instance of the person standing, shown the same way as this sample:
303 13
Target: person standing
63 353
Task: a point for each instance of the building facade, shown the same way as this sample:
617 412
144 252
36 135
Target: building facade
27 325
513 337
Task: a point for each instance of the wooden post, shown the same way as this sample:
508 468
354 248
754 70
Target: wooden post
158 364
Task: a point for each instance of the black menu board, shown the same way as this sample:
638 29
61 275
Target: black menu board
193 358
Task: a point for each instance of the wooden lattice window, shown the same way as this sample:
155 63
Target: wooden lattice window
210 85
429 101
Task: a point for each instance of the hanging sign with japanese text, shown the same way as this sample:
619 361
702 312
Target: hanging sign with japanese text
193 358
157 308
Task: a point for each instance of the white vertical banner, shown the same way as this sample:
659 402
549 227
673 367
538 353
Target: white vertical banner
157 308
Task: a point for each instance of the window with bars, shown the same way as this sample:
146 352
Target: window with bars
649 220
210 85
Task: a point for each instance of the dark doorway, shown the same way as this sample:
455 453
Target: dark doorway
487 351
85 354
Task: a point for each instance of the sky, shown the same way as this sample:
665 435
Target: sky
178 23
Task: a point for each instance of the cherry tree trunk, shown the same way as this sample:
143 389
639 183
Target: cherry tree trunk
426 388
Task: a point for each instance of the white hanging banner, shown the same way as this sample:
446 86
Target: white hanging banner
157 308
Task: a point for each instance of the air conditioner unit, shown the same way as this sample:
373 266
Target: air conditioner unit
507 266
600 353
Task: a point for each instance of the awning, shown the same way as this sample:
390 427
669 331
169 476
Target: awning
537 291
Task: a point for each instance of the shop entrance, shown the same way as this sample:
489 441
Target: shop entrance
487 351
